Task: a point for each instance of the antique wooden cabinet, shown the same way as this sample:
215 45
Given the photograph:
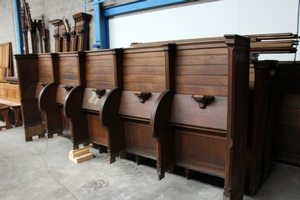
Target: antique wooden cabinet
97 99
145 106
71 74
34 72
210 109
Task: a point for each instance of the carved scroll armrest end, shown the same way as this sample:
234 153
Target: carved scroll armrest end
99 92
67 87
143 96
203 100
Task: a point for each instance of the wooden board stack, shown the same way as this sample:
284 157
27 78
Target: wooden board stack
82 154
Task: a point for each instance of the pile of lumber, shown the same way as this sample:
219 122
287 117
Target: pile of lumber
273 43
259 43
81 154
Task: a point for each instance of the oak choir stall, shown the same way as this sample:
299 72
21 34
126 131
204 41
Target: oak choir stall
204 104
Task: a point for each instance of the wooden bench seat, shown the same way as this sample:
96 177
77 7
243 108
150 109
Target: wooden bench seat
10 100
96 100
145 105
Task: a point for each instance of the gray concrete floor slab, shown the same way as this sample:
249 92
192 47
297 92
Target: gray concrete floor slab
41 169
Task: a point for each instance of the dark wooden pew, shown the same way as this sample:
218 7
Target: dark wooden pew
210 109
145 107
34 72
260 104
71 78
99 100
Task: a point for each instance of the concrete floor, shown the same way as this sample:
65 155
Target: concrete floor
41 169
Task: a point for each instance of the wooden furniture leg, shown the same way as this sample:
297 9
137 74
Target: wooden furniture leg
4 109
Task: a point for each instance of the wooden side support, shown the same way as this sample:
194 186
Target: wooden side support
35 72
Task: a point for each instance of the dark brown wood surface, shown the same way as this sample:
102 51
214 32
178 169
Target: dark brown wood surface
286 126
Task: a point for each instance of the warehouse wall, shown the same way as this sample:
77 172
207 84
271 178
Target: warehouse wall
206 18
7 23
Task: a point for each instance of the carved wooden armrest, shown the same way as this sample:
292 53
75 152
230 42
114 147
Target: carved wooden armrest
99 92
143 96
43 84
67 87
203 100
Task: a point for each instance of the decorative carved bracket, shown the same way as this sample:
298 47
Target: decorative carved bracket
203 100
67 88
99 92
43 84
143 96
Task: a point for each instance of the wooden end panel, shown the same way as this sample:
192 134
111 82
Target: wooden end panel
201 152
139 139
97 133
186 111
202 71
100 71
144 71
131 106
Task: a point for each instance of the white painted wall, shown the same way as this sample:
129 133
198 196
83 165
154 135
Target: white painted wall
206 18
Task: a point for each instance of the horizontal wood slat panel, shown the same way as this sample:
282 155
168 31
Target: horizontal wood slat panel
69 82
202 80
144 87
153 70
201 90
157 79
100 70
99 63
201 69
100 85
212 51
68 69
150 61
45 79
100 77
202 59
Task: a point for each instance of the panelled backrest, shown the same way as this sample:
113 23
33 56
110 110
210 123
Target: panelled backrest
100 75
100 69
68 69
45 68
201 69
144 69
71 72
47 71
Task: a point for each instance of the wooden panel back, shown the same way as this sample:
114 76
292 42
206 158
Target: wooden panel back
45 68
100 70
68 68
144 69
202 71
